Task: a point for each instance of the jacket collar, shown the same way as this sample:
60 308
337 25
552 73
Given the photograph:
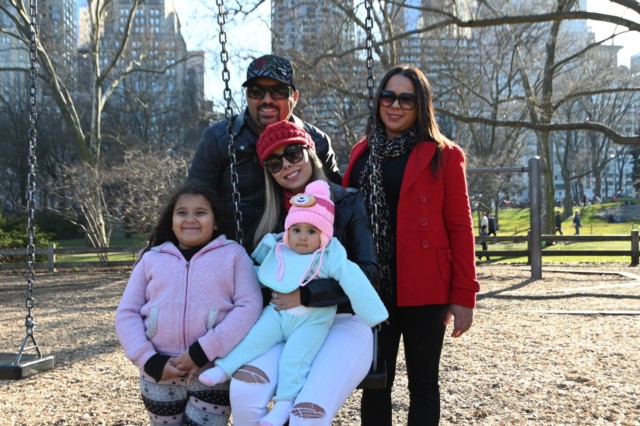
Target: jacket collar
169 247
338 193
241 121
419 159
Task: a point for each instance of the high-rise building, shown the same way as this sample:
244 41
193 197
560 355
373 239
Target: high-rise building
299 24
155 45
319 37
156 71
13 55
57 32
635 63
57 21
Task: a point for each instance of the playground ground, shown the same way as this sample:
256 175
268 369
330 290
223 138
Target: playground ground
564 350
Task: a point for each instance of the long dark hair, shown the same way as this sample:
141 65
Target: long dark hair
427 126
163 230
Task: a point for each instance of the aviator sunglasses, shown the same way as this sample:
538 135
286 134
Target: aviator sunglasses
293 153
405 100
279 91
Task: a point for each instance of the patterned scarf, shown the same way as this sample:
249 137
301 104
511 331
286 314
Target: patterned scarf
371 184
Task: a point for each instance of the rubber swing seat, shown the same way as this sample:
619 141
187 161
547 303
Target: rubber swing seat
29 365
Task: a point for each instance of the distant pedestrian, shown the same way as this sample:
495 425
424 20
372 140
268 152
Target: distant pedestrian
492 225
558 223
484 233
577 223
484 221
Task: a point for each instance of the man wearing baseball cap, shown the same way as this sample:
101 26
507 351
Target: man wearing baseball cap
271 96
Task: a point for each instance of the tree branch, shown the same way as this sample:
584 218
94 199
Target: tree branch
552 127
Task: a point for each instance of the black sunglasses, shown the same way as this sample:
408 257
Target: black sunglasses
293 153
279 91
405 100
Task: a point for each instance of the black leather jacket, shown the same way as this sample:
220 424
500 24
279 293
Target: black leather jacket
211 164
352 228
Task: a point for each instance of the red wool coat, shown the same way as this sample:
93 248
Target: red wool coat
434 233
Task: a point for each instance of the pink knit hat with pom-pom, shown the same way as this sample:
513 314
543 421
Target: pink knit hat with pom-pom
313 207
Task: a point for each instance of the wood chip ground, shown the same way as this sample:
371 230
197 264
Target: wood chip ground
563 350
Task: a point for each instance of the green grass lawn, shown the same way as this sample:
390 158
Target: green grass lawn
516 222
510 222
135 242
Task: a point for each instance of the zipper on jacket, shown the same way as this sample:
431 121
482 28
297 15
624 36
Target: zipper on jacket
184 311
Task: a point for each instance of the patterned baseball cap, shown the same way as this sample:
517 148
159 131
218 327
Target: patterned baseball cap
271 66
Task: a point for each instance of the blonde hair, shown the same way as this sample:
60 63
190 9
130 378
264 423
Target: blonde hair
273 194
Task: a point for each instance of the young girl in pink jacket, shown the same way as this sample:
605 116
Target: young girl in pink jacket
190 299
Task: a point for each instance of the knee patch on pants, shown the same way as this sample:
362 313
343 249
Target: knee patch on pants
250 374
308 410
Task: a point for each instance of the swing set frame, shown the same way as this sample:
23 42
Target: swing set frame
29 359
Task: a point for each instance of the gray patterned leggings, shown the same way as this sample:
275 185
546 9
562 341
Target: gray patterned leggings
178 402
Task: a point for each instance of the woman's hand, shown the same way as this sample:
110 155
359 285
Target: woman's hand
284 301
463 318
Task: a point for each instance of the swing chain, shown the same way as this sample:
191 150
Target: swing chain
373 196
31 179
224 59
369 45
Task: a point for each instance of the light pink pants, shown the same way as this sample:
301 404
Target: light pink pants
343 361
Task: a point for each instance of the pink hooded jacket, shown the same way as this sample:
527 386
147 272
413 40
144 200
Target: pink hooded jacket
170 303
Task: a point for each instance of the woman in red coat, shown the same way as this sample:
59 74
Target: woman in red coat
414 181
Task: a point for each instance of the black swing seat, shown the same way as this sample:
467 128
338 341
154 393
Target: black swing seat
28 365
377 376
22 365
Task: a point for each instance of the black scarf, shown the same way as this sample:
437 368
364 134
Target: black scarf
371 184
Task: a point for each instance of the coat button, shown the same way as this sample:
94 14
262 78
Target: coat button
424 221
423 198
425 244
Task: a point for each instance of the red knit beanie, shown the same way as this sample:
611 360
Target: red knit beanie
279 134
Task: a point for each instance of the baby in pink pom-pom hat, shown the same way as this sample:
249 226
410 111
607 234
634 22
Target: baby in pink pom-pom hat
305 251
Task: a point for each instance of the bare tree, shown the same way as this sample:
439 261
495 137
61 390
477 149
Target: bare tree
497 68
110 61
13 161
141 185
512 87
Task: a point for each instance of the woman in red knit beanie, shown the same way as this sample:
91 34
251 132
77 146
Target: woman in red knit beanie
282 141
287 154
